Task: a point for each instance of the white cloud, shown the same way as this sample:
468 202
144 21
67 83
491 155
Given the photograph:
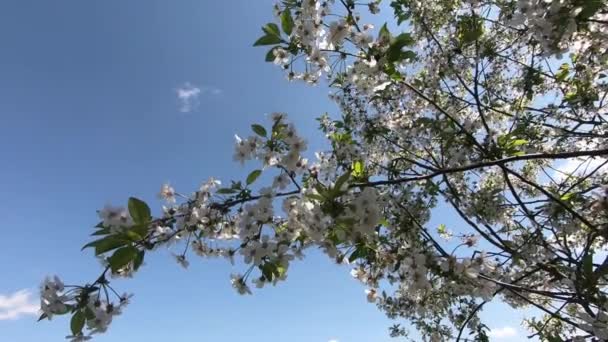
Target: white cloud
333 340
189 95
18 304
504 332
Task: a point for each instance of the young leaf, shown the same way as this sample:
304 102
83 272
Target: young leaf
139 210
442 228
259 130
253 176
280 271
571 97
518 142
563 72
567 196
77 323
358 169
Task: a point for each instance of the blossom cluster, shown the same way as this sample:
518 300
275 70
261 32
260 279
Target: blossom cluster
90 309
555 25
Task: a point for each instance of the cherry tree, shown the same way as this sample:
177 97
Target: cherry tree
493 109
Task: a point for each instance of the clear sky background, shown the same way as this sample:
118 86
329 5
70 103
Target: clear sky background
90 115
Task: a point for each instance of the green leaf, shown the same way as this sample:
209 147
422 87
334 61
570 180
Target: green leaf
392 72
409 55
77 323
267 40
106 244
321 190
133 235
341 180
469 29
509 142
315 197
563 72
359 253
253 176
554 338
89 313
259 130
488 49
342 138
590 8
270 54
287 21
139 259
103 231
226 191
384 34
122 257
394 52
140 230
268 270
346 222
588 263
272 29
139 210
401 8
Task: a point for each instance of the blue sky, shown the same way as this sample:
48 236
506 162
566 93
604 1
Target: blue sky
90 116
